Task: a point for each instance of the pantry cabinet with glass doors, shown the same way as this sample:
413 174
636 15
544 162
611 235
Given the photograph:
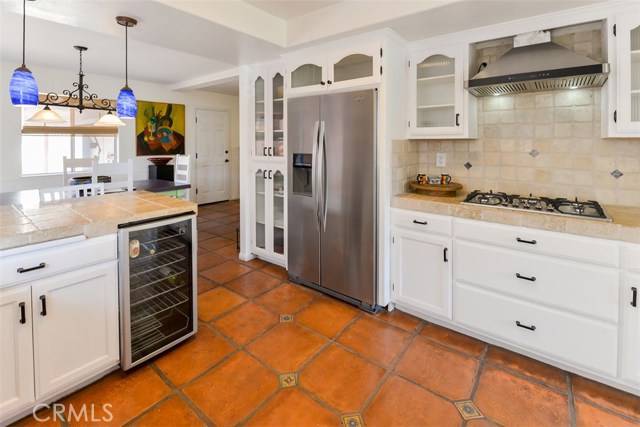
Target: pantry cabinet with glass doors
269 115
268 231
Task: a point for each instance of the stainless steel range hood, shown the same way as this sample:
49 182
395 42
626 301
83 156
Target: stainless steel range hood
535 68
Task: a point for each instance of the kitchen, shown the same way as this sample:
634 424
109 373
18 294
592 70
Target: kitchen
492 151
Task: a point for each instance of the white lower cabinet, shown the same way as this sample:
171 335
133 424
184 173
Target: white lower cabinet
630 308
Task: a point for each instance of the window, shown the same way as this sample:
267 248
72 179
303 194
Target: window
43 146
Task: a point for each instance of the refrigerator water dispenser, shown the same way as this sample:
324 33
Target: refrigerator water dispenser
302 170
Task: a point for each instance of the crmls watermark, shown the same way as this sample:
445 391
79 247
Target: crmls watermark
86 413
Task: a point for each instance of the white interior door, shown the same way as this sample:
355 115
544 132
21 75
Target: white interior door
212 160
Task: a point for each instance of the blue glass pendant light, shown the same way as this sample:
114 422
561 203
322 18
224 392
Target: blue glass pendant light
23 89
126 105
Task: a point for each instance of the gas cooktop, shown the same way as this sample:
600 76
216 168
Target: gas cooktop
558 206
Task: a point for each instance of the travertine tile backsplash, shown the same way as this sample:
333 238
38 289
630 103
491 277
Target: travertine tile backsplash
563 127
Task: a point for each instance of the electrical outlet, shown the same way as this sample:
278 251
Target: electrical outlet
441 160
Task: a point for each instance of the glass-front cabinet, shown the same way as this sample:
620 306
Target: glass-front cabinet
628 39
269 213
437 99
341 68
269 115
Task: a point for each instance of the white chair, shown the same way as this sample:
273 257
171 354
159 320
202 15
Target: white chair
183 172
121 175
72 168
71 191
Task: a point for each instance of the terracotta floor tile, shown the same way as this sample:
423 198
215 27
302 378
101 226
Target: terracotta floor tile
222 229
232 217
276 270
231 236
225 272
402 404
129 394
285 299
514 401
293 408
208 225
541 371
215 243
194 356
246 323
219 300
203 235
173 412
590 416
400 319
326 316
228 252
484 423
606 396
45 418
286 347
375 339
253 284
214 215
439 369
341 379
209 260
453 339
254 263
228 393
205 285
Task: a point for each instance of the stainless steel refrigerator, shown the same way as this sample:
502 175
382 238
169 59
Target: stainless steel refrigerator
332 206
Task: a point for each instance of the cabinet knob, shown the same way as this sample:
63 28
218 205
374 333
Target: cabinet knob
23 315
329 81
43 300
226 160
457 119
322 82
521 325
531 279
634 299
37 267
530 242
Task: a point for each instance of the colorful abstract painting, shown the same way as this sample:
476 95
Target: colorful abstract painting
159 128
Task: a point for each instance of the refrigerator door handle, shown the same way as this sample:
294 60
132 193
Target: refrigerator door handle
321 170
314 181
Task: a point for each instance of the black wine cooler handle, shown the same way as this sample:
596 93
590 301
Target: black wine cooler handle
43 299
415 221
531 279
531 328
634 299
37 267
23 314
531 242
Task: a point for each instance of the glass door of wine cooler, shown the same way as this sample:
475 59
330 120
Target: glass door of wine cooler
157 287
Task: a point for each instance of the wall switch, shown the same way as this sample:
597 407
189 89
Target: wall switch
441 160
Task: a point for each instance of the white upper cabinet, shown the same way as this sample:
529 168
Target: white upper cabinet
269 115
438 103
356 66
621 112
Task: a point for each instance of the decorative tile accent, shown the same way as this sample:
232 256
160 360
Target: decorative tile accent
284 318
616 174
288 380
468 165
352 420
534 153
468 409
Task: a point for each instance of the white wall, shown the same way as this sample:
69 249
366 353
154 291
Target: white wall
55 80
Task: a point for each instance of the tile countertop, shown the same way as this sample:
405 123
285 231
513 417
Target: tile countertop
625 225
35 222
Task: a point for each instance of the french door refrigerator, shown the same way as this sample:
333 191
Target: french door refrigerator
157 286
332 205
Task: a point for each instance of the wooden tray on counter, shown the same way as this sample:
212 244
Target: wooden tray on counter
437 190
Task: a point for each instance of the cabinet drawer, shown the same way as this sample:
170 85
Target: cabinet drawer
420 221
56 259
599 251
631 257
584 288
575 339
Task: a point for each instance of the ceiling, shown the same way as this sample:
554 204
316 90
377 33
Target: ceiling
188 43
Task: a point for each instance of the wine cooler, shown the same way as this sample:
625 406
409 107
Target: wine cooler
158 279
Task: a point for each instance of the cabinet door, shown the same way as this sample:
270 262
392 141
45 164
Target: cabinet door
628 54
630 308
421 268
278 180
260 221
16 351
75 325
306 77
354 67
259 112
278 123
436 94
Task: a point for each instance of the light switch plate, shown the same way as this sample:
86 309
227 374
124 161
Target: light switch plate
441 160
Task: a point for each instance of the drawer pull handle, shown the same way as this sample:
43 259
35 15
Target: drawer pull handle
531 242
23 314
634 300
415 221
44 305
531 279
531 328
444 253
37 267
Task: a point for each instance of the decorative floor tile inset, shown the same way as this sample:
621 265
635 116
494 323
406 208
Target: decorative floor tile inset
353 420
288 380
468 410
286 318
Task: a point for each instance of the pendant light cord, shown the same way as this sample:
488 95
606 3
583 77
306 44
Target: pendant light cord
24 23
126 55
